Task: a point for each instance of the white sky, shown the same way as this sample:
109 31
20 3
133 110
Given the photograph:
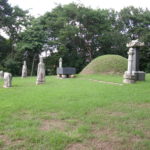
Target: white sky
39 7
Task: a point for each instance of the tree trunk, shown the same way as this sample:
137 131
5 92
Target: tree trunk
33 65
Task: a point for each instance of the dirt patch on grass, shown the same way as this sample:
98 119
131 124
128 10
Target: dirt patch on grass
144 105
68 125
5 139
117 114
107 112
104 132
53 124
78 146
7 142
92 144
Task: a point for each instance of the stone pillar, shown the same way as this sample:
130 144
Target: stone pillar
1 74
129 77
60 62
7 80
41 72
135 44
24 70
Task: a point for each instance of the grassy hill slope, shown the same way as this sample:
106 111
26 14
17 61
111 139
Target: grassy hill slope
107 64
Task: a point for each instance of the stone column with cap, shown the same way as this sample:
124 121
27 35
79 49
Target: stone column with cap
129 77
136 44
40 72
24 70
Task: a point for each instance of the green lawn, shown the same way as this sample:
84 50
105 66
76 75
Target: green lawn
75 114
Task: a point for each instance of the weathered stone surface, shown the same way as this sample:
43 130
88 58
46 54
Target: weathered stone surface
24 70
133 67
41 72
60 62
64 76
139 75
1 74
135 43
66 70
128 76
7 80
72 76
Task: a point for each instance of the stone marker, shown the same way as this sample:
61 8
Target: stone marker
135 44
65 72
7 80
60 62
1 74
24 70
129 77
41 72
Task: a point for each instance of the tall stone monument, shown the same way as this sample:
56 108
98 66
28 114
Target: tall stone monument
1 74
7 80
40 72
129 77
136 44
24 70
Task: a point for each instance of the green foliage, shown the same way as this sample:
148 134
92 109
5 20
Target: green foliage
5 13
77 33
108 64
11 65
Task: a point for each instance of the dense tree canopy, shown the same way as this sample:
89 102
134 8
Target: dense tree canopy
75 33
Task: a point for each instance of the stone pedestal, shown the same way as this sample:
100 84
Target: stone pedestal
41 72
24 70
72 76
63 76
139 75
129 78
7 80
66 72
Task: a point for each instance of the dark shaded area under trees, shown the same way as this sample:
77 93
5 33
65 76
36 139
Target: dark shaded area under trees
79 34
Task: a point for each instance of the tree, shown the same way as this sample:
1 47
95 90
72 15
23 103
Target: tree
5 12
135 23
32 40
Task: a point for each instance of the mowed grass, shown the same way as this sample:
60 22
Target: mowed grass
75 114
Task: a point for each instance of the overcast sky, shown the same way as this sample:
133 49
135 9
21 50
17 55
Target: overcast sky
39 7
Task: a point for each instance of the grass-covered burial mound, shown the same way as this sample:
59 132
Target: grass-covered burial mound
106 64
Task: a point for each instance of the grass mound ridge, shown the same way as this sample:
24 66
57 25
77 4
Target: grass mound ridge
106 64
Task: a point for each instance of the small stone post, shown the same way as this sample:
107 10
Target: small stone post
41 72
60 62
7 80
128 76
24 70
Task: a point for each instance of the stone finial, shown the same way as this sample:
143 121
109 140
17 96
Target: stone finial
60 62
41 72
135 43
24 70
7 80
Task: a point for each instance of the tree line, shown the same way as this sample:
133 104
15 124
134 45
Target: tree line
74 32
